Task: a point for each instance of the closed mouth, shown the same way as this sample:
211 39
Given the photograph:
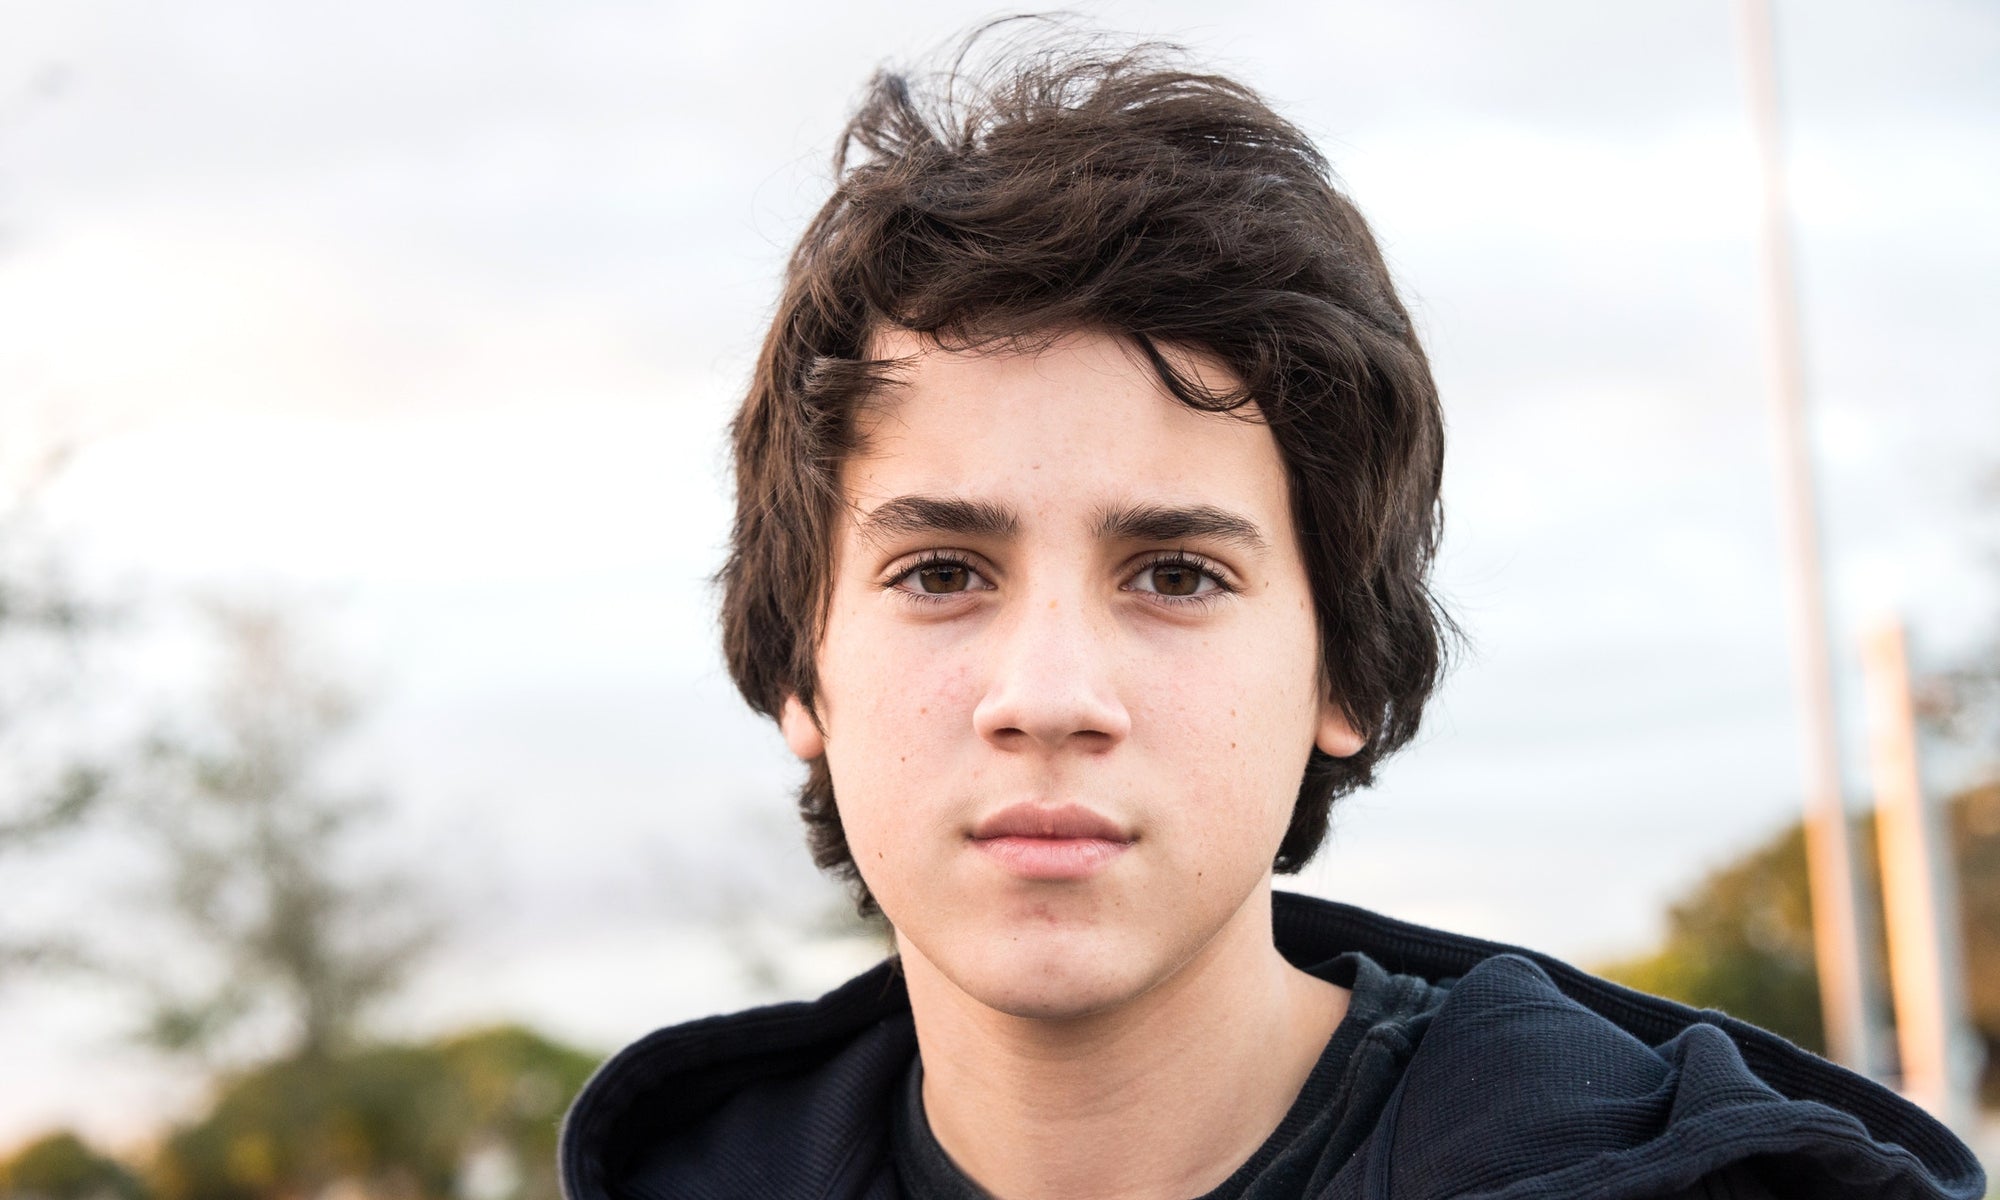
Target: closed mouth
1054 823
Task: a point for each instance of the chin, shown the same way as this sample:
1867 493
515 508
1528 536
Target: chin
1051 976
1052 999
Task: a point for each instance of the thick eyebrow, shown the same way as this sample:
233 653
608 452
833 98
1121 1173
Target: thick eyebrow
1172 523
937 514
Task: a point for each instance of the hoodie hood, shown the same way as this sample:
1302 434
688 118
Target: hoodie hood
1532 1080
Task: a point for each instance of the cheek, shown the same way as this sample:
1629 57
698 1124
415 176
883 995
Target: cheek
886 683
1235 719
896 717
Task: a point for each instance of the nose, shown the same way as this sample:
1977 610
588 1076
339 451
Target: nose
1052 681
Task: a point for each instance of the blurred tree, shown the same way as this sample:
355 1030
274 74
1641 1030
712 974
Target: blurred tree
1975 828
1962 702
62 1166
260 874
1741 941
48 785
473 1117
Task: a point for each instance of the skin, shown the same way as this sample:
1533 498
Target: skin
1132 1033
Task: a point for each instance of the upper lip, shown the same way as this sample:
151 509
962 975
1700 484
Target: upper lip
1043 821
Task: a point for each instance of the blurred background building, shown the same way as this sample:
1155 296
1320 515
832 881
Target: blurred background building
363 375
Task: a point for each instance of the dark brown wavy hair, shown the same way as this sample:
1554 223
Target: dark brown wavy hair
1067 186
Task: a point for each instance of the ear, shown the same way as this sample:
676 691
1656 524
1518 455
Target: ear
802 733
1333 735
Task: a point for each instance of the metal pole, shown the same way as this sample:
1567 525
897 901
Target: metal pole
1836 944
1926 971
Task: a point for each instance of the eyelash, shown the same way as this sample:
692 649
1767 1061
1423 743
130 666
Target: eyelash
1172 558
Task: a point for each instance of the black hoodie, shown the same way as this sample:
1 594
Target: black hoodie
1533 1080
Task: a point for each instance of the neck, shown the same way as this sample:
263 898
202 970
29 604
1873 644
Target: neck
1163 1095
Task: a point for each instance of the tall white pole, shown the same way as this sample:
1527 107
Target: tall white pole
1836 942
1926 967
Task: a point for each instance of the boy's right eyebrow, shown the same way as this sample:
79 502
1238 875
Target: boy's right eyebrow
937 514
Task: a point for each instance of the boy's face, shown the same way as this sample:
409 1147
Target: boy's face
1070 674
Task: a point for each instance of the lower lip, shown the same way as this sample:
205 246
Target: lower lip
1051 858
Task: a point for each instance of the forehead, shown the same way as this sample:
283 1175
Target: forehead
1077 425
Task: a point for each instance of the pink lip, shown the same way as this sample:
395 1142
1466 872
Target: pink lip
1033 842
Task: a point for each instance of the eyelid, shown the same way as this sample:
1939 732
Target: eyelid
903 564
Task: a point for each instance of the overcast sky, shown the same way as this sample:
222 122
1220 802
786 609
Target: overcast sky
427 317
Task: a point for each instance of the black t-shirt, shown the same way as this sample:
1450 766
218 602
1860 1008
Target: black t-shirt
1341 1099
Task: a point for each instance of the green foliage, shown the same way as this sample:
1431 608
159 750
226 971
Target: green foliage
1975 826
470 1118
1741 940
62 1166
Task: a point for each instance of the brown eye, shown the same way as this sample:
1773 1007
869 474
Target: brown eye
1176 579
1180 579
940 578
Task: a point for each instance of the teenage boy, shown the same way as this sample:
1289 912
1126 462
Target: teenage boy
1087 491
